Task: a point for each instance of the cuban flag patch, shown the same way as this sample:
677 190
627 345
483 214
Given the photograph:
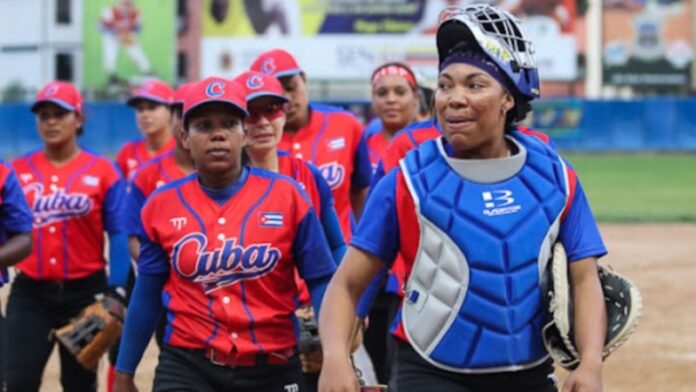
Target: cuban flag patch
337 143
271 219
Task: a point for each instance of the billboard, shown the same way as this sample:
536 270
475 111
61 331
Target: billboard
348 39
647 43
127 40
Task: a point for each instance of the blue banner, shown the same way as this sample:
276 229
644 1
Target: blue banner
659 124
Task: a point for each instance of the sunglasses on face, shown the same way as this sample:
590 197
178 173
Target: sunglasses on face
270 111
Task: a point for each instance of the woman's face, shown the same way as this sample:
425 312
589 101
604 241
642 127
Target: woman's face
152 118
264 125
394 101
471 106
295 88
215 138
57 126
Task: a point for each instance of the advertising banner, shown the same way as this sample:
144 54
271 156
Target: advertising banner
127 40
347 39
647 42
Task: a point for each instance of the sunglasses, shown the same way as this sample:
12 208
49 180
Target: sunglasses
270 111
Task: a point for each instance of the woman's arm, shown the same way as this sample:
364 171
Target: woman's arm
338 315
590 323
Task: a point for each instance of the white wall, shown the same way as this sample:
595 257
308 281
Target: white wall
30 38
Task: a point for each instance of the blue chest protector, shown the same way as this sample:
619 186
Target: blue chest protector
473 300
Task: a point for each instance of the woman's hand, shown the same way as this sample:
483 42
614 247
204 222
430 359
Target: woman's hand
337 375
586 378
124 382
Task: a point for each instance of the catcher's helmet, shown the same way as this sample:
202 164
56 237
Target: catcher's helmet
498 35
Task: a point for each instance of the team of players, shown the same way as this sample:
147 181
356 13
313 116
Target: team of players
72 195
229 250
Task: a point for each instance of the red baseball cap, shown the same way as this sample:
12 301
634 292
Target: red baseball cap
259 84
153 90
276 62
63 94
180 93
214 89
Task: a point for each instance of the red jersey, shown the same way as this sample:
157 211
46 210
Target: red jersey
300 171
332 140
377 144
150 176
119 19
230 257
135 153
72 206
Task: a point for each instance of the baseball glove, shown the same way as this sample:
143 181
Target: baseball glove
126 38
309 345
623 305
93 331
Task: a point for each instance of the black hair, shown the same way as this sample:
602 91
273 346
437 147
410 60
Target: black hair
518 112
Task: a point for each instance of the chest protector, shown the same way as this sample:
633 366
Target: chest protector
473 300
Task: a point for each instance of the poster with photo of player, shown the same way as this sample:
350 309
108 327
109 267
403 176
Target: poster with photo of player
347 39
647 42
126 41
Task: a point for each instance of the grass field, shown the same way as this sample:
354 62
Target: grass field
639 187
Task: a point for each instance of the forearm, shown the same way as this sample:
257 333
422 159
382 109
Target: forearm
338 310
336 320
133 247
141 321
15 249
590 318
357 201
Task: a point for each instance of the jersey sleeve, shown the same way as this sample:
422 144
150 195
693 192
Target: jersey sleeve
152 259
329 219
114 203
15 215
310 248
579 233
378 230
135 200
362 167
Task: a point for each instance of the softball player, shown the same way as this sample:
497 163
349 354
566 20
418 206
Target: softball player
474 214
264 128
15 239
395 100
326 136
218 250
152 103
166 168
74 196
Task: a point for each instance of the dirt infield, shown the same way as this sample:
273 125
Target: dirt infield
661 356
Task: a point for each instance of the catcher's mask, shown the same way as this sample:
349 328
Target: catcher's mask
498 35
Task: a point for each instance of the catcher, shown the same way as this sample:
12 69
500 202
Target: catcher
475 214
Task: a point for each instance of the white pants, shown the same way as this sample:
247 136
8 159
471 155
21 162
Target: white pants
110 47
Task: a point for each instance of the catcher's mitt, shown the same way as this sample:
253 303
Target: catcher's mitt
93 331
309 345
623 305
126 38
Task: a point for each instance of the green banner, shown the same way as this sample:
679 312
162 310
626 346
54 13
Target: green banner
126 41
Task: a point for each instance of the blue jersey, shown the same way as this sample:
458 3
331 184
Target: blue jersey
15 216
476 206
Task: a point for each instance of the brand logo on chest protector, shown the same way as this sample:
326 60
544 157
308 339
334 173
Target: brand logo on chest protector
56 206
499 203
333 173
222 266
